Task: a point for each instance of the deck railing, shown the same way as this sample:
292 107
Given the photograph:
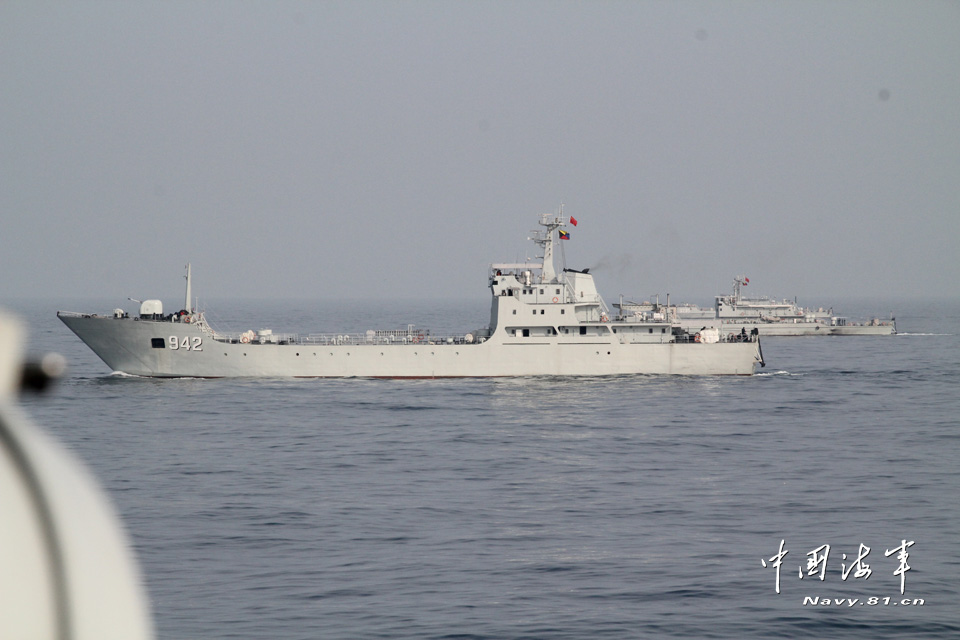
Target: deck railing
347 339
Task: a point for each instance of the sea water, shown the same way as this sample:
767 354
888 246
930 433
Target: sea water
624 507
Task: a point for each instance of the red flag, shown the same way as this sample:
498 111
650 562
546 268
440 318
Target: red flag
746 280
573 221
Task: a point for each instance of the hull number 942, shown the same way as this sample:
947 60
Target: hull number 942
186 343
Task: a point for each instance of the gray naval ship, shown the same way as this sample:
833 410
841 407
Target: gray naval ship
544 321
735 313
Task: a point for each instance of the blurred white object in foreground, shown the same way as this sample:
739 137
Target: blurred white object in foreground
66 568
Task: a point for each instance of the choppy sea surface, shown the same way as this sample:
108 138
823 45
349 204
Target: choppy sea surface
625 507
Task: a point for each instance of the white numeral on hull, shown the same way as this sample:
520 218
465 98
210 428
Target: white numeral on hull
186 343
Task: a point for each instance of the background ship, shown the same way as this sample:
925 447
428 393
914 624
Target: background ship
734 313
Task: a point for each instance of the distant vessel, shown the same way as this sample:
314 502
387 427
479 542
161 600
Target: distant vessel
736 314
542 322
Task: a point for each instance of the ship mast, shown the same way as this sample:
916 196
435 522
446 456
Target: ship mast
738 281
186 304
546 239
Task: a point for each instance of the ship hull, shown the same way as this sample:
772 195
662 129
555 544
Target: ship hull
146 348
792 328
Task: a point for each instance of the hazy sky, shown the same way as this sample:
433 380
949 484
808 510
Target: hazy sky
395 149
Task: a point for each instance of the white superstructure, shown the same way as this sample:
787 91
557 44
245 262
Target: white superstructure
543 321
